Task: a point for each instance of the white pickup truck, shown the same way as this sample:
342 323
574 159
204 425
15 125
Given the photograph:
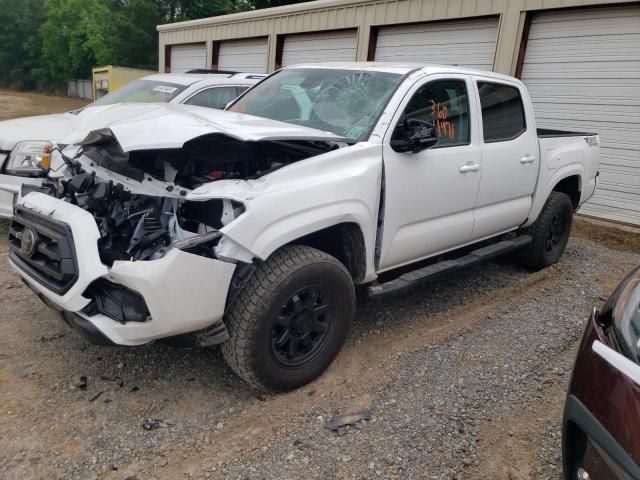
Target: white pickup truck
251 227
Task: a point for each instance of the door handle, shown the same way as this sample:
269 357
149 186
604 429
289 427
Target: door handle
470 167
528 158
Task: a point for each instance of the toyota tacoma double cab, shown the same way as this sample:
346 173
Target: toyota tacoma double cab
252 227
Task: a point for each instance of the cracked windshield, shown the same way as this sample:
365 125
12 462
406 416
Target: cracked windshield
345 102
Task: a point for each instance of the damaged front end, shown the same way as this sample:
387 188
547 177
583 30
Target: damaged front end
138 226
143 227
125 248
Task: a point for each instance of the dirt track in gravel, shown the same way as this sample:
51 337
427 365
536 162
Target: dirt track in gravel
219 428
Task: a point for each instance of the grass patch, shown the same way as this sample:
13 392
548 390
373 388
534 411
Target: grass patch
621 239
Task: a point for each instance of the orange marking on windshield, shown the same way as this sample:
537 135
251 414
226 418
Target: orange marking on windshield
439 114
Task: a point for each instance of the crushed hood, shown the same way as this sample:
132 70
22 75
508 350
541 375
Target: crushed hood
184 146
65 127
166 126
140 126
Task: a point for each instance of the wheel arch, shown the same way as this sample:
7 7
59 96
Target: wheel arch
344 241
344 229
562 180
572 186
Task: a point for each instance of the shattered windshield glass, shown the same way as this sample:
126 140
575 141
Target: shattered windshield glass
345 102
143 91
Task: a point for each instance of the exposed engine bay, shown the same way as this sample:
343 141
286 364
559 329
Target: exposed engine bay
202 160
138 227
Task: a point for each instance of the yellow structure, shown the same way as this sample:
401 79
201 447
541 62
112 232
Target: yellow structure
110 78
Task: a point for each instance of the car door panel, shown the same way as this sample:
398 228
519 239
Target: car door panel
597 463
510 160
430 195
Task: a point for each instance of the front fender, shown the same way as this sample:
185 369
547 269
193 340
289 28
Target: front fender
297 224
341 186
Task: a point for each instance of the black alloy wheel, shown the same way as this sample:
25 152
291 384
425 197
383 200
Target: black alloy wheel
549 233
302 328
557 229
290 320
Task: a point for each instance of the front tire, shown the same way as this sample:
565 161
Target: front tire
550 233
291 319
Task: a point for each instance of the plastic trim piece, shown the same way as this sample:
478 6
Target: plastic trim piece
64 253
447 266
617 361
553 133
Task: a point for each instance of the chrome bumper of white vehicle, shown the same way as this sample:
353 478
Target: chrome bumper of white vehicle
129 303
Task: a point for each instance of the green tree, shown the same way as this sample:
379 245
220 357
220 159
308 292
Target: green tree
73 39
257 4
137 26
29 23
20 41
131 34
44 43
80 34
9 40
180 10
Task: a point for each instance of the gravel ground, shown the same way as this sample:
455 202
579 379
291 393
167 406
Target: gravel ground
464 378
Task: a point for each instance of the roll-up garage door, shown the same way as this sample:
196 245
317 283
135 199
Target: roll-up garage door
320 47
468 43
248 55
188 57
582 68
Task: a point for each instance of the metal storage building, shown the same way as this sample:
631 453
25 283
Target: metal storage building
579 58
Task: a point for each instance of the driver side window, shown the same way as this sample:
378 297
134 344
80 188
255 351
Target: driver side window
443 103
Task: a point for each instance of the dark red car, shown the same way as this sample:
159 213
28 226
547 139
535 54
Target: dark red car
601 429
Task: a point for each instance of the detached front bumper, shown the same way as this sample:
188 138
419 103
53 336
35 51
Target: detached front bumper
176 294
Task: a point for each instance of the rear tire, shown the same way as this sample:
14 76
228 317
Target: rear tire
291 319
550 233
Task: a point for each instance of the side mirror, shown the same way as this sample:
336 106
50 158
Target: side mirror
414 135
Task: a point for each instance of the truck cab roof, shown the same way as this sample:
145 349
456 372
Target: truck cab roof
188 79
405 68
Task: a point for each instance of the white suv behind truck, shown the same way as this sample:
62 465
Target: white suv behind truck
23 141
251 227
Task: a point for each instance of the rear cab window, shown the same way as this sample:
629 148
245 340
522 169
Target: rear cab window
503 116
